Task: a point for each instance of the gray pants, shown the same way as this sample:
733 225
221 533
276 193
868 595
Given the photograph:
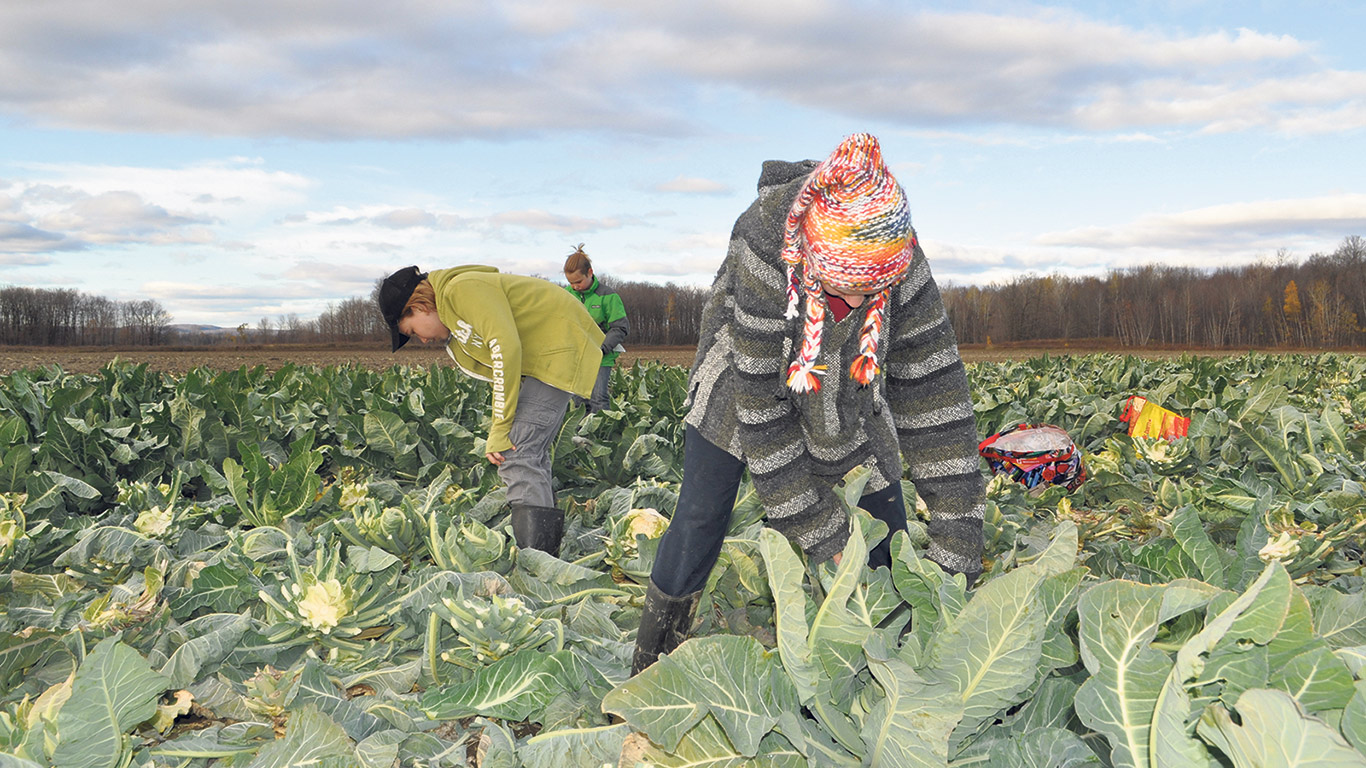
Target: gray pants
535 424
602 396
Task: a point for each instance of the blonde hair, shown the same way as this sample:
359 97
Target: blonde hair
423 299
578 262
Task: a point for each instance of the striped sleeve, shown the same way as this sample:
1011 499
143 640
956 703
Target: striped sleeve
800 505
927 389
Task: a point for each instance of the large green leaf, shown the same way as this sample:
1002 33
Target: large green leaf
1172 741
1118 621
910 725
387 433
19 652
1317 678
14 467
659 702
651 456
513 688
211 639
731 678
1040 748
382 749
1339 618
575 747
1354 718
220 587
934 597
110 553
114 690
1272 731
237 740
316 688
989 653
45 490
706 746
1058 596
833 620
1189 533
310 739
785 571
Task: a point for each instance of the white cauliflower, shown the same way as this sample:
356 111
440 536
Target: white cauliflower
1282 548
324 605
646 522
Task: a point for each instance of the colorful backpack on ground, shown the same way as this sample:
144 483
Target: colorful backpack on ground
1035 455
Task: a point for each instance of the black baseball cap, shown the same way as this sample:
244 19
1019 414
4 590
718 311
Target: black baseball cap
393 296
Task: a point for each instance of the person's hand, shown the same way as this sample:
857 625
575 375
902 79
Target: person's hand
836 558
496 457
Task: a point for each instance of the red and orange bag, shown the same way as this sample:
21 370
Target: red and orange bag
1148 419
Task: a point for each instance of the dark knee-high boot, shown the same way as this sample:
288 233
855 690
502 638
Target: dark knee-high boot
538 527
664 625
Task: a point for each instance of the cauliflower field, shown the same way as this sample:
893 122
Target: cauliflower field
313 566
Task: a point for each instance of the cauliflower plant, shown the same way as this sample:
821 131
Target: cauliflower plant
155 522
646 522
329 601
324 604
626 536
1282 548
490 628
11 531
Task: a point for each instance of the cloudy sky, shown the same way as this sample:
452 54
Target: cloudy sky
239 159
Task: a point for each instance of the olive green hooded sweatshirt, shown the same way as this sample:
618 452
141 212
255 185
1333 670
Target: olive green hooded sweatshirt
504 327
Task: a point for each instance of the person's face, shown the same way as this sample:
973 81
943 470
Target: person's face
580 282
424 326
852 299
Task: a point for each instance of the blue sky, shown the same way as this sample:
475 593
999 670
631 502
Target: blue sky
240 159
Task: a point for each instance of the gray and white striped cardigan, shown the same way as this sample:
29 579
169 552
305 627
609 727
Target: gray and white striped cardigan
797 446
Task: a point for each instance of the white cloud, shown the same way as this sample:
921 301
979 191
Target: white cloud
546 221
691 185
1229 226
65 208
407 217
54 219
419 69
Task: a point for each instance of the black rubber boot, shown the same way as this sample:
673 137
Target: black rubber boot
663 625
538 527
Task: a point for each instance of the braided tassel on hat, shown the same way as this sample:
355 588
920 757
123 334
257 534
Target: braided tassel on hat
849 229
801 375
865 366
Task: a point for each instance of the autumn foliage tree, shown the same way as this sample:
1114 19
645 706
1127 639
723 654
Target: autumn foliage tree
1273 303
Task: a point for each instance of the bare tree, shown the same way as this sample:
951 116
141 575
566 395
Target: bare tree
145 322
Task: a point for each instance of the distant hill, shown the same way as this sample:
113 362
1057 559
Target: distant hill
197 328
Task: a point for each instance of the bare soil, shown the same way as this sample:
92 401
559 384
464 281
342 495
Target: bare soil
272 356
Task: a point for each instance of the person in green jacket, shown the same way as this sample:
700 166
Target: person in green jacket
607 311
534 344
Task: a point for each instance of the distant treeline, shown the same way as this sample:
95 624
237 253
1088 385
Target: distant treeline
660 315
1317 303
66 317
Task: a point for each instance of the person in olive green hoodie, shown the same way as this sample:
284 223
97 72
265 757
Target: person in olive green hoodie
535 344
607 310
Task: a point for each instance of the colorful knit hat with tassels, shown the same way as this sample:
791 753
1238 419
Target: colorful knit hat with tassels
849 229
